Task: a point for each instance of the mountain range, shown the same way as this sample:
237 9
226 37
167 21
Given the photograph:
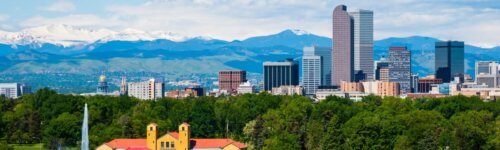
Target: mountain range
67 49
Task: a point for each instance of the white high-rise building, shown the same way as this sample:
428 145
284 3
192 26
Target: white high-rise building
14 90
311 73
148 90
363 44
326 61
488 73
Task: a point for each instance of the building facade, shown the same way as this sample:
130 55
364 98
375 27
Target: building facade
383 63
488 73
14 90
229 80
246 88
180 140
425 84
351 86
381 88
148 90
326 61
311 73
400 67
363 44
102 86
277 74
288 90
449 61
414 83
343 49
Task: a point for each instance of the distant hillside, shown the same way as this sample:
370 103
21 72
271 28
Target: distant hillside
200 55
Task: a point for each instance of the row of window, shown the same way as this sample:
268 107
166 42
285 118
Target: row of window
167 145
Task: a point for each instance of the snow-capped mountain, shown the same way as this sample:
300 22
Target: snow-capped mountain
68 36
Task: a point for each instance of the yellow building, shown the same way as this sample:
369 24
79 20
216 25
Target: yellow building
180 140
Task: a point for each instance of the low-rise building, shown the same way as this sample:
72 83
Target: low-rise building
288 90
353 95
246 87
381 88
187 92
180 140
14 90
351 86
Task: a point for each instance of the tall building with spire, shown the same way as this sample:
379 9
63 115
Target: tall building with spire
343 46
102 86
123 86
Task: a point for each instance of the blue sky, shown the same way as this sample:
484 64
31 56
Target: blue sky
473 21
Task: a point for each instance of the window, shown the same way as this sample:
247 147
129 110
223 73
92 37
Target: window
168 145
150 128
172 145
163 144
182 128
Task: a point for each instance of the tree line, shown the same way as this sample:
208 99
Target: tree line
261 121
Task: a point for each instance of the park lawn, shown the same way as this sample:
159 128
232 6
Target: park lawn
34 147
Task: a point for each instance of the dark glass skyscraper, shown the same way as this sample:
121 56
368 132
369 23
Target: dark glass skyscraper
400 67
277 74
449 60
343 46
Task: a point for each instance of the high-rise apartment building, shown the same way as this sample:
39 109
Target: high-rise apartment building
229 80
363 44
343 47
14 90
449 60
488 73
400 67
311 73
148 90
277 74
326 61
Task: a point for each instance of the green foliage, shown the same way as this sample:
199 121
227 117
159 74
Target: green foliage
261 121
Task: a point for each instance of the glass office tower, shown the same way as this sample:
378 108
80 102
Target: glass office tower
449 60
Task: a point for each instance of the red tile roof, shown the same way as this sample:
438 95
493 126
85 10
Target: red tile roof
126 143
137 148
214 143
174 134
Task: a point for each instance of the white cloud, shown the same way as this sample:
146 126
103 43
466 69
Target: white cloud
60 6
3 17
82 20
474 22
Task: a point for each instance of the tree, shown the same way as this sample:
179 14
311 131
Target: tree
471 129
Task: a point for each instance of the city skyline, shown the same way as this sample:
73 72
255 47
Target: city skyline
430 18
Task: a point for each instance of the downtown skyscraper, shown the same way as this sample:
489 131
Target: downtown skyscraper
316 68
352 37
277 74
449 60
343 46
363 44
400 67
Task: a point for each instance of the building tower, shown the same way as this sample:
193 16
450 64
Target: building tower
184 136
342 53
277 74
363 44
400 67
229 80
311 73
152 136
449 60
102 86
326 62
123 86
488 73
